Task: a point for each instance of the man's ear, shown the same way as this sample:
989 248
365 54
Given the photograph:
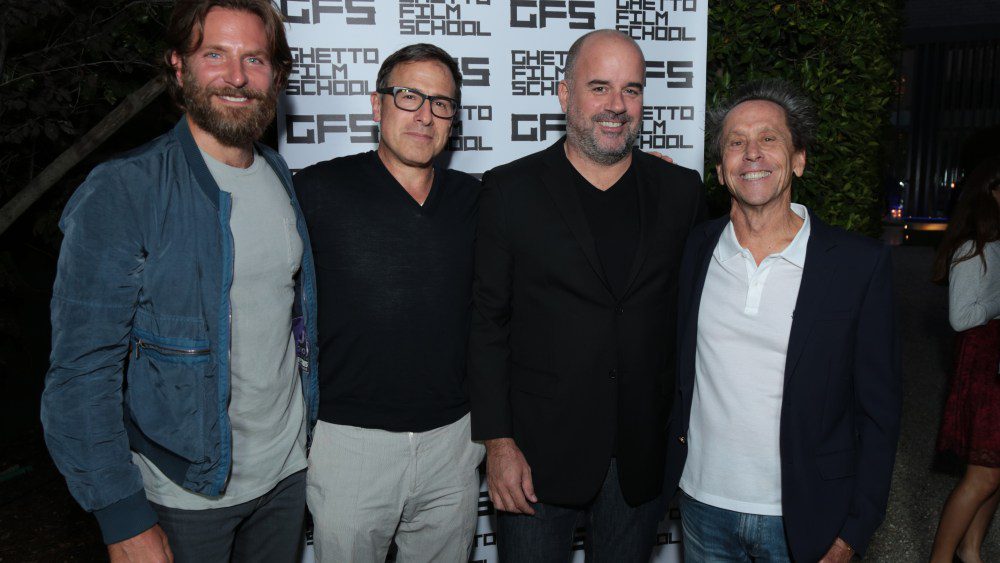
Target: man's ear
718 175
799 162
177 62
563 92
376 107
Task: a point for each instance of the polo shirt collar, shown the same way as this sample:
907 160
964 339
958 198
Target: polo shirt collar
795 253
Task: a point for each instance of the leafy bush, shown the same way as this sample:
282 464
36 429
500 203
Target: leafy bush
841 54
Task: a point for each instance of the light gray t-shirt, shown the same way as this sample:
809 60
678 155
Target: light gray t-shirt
266 407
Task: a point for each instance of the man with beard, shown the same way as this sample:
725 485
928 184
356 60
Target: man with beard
180 393
572 347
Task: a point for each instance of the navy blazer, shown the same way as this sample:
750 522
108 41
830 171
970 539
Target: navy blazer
842 396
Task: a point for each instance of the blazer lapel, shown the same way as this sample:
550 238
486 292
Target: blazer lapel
690 307
816 276
568 203
648 205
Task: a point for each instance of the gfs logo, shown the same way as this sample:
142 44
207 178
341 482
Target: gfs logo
579 14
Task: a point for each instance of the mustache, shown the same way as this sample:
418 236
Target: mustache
612 116
244 92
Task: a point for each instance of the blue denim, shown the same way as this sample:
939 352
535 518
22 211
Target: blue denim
615 531
714 535
141 330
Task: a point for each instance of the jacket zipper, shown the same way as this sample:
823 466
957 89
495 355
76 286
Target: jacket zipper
170 351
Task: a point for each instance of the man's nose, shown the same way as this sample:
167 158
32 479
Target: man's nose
423 114
235 74
616 102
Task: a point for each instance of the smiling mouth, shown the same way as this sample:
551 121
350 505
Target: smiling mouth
612 124
235 99
755 175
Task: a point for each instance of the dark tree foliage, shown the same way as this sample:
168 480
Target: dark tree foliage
64 65
841 54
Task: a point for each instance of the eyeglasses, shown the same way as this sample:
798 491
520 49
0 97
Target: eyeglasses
408 99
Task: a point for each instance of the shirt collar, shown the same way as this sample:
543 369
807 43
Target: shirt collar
795 253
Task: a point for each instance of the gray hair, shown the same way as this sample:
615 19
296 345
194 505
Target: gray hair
577 46
800 115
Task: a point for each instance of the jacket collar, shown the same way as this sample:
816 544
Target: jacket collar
200 170
817 273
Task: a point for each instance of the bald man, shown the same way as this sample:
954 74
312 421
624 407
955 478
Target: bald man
572 345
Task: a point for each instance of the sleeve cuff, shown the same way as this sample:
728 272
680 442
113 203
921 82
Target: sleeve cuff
126 518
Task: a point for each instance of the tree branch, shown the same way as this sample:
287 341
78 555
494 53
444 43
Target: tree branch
73 67
40 184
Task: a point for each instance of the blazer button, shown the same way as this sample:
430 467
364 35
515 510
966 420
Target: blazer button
682 439
620 310
613 374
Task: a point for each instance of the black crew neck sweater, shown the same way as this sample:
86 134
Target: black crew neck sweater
394 282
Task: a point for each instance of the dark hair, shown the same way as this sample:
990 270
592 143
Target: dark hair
800 115
574 51
976 218
185 32
416 53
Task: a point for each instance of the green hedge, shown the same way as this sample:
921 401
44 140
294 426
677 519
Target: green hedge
841 53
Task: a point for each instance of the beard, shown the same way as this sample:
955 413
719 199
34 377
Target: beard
231 126
583 132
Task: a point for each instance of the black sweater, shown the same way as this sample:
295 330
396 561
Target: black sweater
394 286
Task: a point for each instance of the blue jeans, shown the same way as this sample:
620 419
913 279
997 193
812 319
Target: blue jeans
616 532
268 529
715 534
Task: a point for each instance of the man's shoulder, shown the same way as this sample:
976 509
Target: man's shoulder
667 171
854 249
138 168
324 172
526 164
848 239
458 177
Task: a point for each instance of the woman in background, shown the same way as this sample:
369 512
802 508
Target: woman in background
968 260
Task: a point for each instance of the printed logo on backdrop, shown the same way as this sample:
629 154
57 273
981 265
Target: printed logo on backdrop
486 539
349 12
443 17
536 73
312 129
461 142
333 71
658 127
667 537
650 19
475 71
535 127
537 14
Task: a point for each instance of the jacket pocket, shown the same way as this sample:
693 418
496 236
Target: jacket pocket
166 393
837 465
533 381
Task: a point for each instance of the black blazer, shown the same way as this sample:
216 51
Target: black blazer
842 395
556 362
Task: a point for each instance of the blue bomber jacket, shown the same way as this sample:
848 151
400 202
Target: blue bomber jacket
141 330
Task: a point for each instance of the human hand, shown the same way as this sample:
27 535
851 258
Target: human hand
661 155
150 546
508 477
839 552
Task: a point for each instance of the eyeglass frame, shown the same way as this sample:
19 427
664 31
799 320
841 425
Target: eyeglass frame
393 90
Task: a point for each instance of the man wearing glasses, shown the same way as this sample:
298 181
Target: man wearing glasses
392 236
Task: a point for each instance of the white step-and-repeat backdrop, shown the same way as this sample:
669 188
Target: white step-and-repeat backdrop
511 54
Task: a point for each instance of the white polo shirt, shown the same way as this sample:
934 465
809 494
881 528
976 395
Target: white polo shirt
744 321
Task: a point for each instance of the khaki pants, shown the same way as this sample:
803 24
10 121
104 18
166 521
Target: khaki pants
365 486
